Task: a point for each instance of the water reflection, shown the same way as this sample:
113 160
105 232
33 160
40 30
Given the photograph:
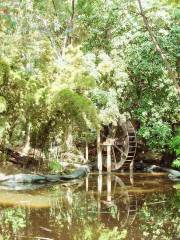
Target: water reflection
109 197
117 202
99 207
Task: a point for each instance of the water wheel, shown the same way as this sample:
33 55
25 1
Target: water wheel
122 139
123 203
129 200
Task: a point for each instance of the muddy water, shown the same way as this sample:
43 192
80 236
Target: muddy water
99 207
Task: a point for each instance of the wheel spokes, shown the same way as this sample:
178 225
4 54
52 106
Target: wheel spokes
121 151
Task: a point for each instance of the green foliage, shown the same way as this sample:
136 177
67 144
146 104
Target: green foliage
175 147
88 68
2 104
175 144
113 234
156 134
3 126
55 166
4 72
107 103
76 109
176 162
102 233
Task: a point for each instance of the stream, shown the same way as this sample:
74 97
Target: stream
99 207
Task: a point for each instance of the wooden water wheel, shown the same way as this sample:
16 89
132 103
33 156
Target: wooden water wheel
123 142
122 203
130 201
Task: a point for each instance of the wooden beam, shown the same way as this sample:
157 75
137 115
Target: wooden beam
108 158
131 168
99 153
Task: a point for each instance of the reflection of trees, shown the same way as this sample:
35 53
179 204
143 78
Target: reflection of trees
162 215
91 211
77 213
83 213
13 221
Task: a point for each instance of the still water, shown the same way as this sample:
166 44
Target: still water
100 207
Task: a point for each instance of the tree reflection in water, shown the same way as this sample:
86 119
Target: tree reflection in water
12 221
102 207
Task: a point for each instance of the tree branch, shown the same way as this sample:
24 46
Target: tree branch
68 37
72 19
171 72
54 5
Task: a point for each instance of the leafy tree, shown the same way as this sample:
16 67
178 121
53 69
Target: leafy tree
81 63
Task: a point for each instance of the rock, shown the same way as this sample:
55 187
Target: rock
174 175
36 178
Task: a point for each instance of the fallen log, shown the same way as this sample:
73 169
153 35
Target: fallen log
16 158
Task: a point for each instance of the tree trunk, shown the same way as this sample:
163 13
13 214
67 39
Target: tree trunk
86 153
26 146
68 37
68 138
72 19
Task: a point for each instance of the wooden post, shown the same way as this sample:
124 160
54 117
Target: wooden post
99 195
87 152
108 158
108 187
99 153
69 197
100 184
87 184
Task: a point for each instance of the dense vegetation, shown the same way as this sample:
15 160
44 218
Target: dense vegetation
66 67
